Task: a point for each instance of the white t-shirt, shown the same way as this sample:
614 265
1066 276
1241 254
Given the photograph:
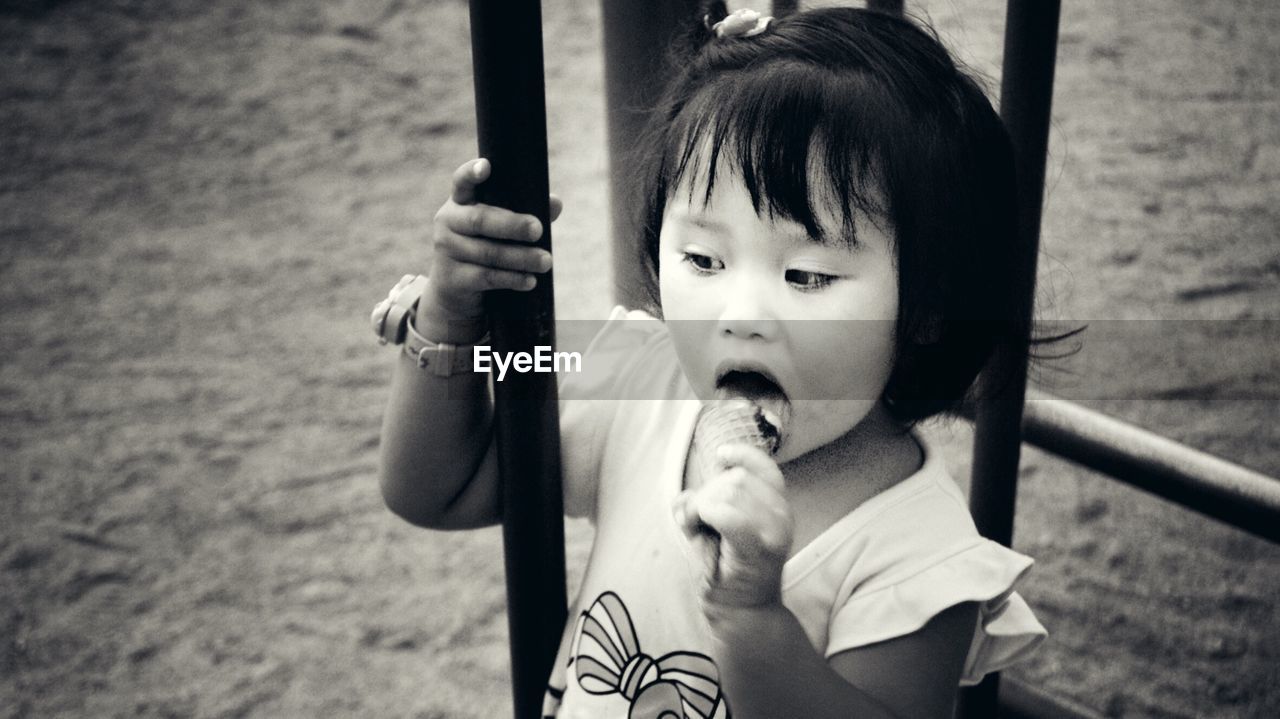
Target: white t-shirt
636 634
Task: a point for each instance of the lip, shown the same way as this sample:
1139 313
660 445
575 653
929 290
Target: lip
746 365
777 407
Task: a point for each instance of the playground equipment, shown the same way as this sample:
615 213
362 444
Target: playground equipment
510 108
511 125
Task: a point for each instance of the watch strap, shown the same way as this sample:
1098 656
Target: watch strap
393 323
441 358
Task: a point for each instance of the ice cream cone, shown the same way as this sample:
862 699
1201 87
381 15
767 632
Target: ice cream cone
729 421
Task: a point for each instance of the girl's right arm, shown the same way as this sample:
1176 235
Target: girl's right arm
438 467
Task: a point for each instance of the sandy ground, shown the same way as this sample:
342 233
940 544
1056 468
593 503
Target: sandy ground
200 201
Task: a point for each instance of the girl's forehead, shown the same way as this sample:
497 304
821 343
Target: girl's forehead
699 198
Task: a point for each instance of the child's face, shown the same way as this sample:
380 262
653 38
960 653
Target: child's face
741 290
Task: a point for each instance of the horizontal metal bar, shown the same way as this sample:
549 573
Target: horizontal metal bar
1019 700
1197 480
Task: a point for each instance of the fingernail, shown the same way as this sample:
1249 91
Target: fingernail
535 229
477 170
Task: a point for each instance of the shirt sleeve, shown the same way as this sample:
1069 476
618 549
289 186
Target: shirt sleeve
980 571
589 402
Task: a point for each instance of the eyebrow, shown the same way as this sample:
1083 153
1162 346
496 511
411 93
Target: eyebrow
703 222
717 227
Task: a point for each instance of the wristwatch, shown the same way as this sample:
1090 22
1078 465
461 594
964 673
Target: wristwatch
393 323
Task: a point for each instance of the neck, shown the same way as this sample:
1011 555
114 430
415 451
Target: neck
876 453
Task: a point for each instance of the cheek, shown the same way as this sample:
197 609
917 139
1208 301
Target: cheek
670 289
682 293
848 369
667 292
691 343
685 310
849 359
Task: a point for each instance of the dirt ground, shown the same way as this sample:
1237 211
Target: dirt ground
199 202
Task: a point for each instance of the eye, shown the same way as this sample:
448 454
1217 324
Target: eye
702 264
807 281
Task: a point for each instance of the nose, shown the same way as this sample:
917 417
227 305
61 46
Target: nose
747 311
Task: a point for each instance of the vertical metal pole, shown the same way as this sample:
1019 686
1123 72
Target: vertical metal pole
636 38
506 52
1026 94
892 7
783 8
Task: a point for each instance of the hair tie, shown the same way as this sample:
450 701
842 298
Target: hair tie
739 23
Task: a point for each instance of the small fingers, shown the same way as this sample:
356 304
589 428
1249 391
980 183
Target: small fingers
467 177
487 253
687 519
754 531
472 173
489 278
704 540
752 459
743 509
488 221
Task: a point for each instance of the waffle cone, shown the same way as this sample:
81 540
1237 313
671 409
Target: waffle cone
731 421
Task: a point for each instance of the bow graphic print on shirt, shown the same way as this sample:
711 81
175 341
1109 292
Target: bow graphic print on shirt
607 659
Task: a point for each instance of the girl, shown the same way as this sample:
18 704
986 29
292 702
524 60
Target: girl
829 233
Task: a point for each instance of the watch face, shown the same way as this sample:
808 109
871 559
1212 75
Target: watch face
390 317
395 324
379 317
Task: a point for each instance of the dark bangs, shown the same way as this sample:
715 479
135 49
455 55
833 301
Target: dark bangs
775 128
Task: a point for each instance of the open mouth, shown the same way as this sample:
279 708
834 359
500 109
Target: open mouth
757 386
749 384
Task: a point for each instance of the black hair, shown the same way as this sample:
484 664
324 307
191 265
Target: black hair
878 105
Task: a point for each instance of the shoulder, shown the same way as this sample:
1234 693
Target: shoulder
914 524
918 536
925 564
626 343
626 356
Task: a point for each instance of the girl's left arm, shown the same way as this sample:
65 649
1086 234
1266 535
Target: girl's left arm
768 667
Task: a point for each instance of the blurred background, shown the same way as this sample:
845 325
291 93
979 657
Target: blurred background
199 203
